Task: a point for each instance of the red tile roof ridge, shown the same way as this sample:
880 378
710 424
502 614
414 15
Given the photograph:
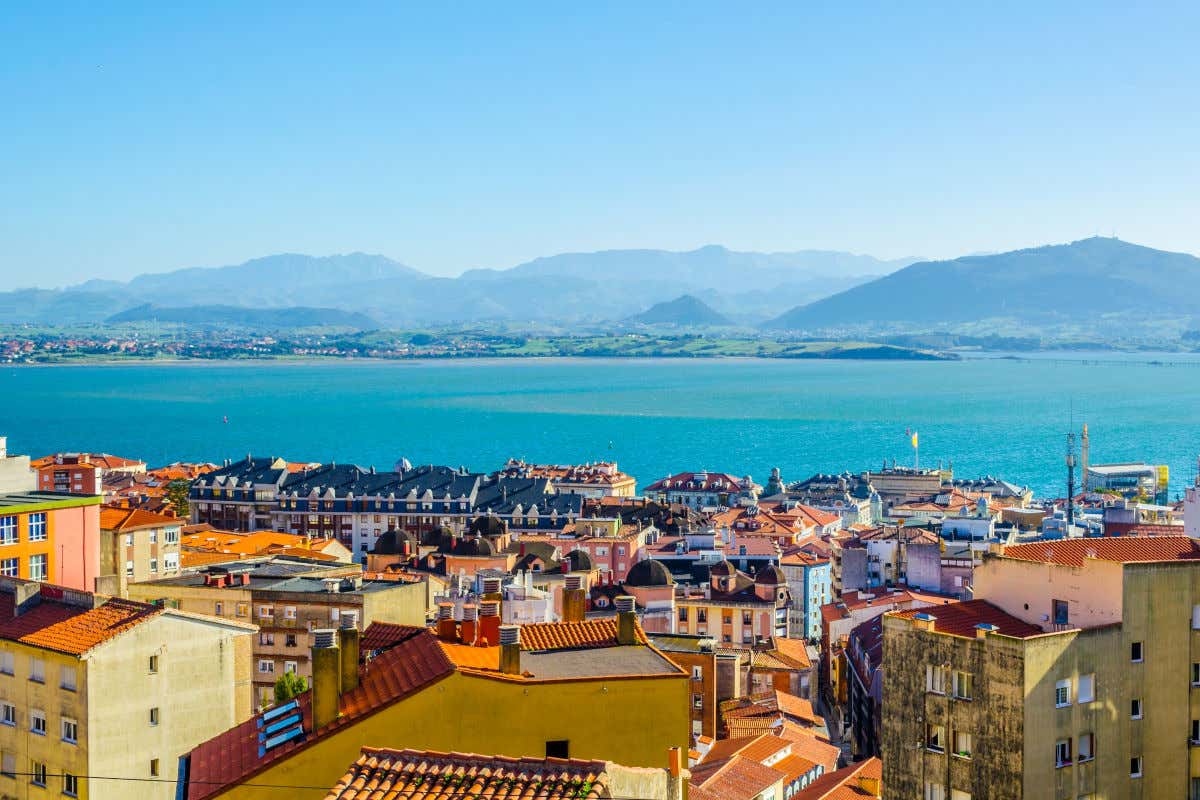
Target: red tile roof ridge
961 619
1120 549
52 624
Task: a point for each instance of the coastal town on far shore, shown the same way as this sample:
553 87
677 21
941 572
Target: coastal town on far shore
258 627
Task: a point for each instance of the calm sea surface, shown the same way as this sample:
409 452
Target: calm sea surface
993 416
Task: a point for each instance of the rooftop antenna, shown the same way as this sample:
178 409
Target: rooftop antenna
1070 481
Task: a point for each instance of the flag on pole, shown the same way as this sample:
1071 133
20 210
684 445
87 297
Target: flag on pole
914 440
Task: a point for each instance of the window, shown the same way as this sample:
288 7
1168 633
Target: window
10 567
1196 731
7 662
154 715
154 565
128 569
697 701
962 744
1135 652
747 617
1062 753
1059 610
243 609
154 536
153 664
290 640
1087 687
266 666
1062 694
171 535
335 614
8 530
935 738
962 685
70 729
8 714
934 791
683 613
37 670
727 619
289 612
70 784
37 567
1135 767
37 527
935 679
67 678
290 666
701 615
266 611
154 768
38 774
266 639
37 722
558 748
1087 747
1135 708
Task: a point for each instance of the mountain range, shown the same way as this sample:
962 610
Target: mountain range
1100 286
566 288
1082 282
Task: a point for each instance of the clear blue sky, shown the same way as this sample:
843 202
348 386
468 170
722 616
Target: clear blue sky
153 137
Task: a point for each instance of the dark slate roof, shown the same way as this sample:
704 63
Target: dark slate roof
268 470
649 572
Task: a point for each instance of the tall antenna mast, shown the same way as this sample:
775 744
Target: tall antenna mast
1070 481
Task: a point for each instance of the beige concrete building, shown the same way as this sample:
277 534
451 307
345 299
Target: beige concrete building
95 687
137 545
1074 674
287 598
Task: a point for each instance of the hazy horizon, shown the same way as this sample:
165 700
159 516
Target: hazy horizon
453 139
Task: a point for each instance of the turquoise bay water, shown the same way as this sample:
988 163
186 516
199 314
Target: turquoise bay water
743 416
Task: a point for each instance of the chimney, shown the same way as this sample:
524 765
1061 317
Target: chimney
510 649
626 620
489 623
447 630
470 624
983 629
574 601
924 622
327 678
676 775
348 640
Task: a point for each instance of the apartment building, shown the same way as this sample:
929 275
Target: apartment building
82 473
591 690
592 480
1075 674
701 490
288 599
735 607
96 687
137 545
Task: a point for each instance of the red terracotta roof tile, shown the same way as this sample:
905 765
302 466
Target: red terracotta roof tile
1123 549
807 744
399 774
68 628
960 619
129 519
738 778
844 784
572 635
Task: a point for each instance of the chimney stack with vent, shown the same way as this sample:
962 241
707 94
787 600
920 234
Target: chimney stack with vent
574 602
446 629
327 677
626 620
470 623
348 640
489 623
493 589
510 649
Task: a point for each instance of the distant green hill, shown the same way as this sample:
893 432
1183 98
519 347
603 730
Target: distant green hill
272 318
1080 281
685 310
